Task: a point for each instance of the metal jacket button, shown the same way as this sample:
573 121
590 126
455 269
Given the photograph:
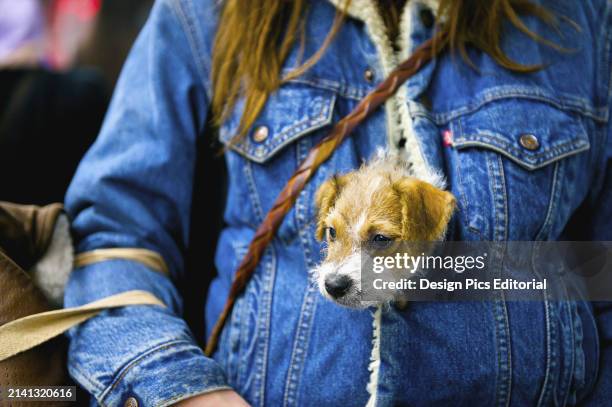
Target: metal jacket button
529 141
261 134
368 75
131 402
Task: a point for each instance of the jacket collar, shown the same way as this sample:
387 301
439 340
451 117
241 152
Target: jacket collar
363 9
399 120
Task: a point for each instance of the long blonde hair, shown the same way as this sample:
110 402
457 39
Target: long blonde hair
253 40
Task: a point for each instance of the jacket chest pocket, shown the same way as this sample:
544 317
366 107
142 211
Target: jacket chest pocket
514 162
261 162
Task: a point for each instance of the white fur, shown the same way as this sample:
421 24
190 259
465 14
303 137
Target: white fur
51 272
321 272
396 160
374 366
363 218
351 267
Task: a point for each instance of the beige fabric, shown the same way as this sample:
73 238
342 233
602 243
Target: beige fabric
26 231
147 257
25 333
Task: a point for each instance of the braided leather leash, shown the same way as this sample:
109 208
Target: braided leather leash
317 155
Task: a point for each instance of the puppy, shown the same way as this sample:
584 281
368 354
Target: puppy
379 203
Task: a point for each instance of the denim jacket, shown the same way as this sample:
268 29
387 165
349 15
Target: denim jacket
528 157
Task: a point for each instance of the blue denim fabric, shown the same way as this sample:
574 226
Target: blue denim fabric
284 344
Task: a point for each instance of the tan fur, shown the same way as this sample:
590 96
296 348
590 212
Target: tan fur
380 198
326 197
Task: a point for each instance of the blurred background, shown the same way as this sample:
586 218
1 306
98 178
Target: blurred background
59 61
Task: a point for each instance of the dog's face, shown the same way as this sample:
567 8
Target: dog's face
373 206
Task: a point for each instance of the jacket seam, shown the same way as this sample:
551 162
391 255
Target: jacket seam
549 351
79 376
552 204
504 190
308 307
500 233
608 133
339 87
493 94
457 128
606 33
263 327
529 165
138 359
189 29
250 181
571 345
546 153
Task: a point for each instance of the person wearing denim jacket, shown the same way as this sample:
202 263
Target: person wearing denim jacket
528 157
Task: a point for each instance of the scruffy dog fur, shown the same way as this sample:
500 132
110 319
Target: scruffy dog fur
377 202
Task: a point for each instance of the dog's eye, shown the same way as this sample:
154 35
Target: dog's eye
331 234
380 242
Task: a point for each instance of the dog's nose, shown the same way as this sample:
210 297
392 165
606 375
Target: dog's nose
337 285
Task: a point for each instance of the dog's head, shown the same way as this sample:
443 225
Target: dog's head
373 205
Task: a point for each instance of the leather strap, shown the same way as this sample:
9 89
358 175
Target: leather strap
319 154
25 333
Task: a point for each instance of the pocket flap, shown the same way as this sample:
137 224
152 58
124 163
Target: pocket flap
532 134
290 113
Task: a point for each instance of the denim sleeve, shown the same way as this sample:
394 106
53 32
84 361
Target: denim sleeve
133 189
600 228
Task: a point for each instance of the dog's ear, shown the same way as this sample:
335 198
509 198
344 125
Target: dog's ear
325 199
426 210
